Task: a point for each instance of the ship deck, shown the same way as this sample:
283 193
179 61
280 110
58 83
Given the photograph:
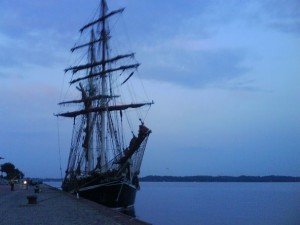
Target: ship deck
55 207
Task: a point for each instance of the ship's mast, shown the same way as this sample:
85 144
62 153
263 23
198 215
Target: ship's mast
89 117
104 88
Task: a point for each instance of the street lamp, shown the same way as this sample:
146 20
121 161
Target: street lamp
1 168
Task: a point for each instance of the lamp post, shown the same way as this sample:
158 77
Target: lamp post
1 169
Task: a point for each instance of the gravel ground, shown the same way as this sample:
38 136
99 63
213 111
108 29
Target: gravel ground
55 207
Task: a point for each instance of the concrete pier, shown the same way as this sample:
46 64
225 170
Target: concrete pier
55 207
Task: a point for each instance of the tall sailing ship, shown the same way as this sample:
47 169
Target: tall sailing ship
103 166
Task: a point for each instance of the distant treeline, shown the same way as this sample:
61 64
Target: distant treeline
271 178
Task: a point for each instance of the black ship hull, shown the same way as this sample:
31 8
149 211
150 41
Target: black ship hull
115 194
118 195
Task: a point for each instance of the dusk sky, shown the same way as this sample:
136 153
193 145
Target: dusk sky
224 76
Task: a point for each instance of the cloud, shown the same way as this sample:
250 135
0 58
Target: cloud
283 16
33 49
217 44
193 68
292 27
191 53
32 34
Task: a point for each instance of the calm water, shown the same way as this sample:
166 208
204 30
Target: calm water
218 203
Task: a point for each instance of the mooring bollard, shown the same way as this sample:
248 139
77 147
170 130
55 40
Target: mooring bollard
36 189
31 199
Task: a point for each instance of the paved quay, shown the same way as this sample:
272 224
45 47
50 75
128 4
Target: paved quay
55 207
